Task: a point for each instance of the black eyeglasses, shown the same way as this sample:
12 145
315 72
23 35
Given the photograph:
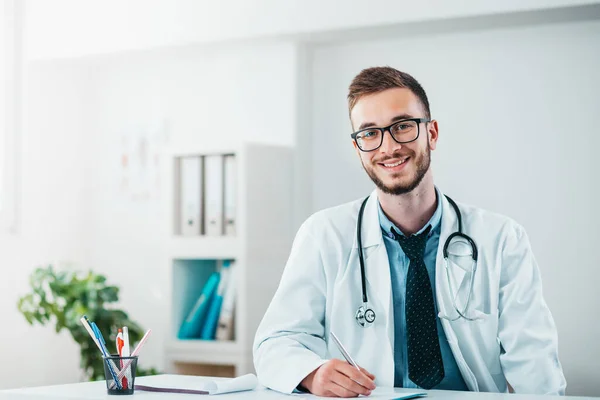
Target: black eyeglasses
404 131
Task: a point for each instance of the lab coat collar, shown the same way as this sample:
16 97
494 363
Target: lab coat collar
449 225
371 230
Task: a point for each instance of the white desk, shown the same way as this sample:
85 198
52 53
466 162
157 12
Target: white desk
97 390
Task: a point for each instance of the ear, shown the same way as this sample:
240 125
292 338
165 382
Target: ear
432 134
356 148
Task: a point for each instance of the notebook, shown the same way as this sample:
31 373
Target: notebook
199 385
406 396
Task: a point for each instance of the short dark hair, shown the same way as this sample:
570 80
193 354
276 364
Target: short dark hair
377 79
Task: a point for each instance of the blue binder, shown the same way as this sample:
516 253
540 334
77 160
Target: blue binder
192 326
209 329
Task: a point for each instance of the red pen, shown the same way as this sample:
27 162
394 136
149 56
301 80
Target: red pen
120 345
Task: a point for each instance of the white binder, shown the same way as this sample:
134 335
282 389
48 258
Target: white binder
213 195
230 182
225 327
190 210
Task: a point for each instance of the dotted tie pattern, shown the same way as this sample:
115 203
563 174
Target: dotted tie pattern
425 365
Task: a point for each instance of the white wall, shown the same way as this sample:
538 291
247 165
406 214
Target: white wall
69 28
516 108
82 116
50 229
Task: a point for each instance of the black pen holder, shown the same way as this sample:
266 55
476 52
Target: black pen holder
121 370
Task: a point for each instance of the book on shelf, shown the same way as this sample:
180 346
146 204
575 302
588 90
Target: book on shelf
209 327
225 326
191 326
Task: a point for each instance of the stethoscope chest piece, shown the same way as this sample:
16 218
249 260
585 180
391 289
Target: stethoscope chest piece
365 316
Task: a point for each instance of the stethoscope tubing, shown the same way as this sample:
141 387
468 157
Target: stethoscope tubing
459 233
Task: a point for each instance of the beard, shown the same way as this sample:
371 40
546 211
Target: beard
422 162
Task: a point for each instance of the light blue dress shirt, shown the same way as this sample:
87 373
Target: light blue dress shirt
399 263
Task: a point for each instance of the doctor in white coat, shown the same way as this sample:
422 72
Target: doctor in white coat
479 325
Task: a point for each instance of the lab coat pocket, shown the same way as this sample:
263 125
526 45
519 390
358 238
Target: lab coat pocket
478 341
474 292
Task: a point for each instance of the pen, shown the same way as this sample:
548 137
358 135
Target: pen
343 351
141 343
100 339
121 351
86 324
120 343
126 351
135 352
105 353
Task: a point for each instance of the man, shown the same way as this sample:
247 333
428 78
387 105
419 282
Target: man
466 316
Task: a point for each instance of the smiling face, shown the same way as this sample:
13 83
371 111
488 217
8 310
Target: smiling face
395 168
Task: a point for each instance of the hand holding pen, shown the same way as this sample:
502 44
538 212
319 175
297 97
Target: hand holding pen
339 378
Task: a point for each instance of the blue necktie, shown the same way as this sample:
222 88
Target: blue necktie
425 365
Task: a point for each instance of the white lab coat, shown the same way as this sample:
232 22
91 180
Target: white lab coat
320 290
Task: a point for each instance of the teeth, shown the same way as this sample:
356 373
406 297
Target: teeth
395 164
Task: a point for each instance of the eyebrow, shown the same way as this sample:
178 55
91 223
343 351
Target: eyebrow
399 117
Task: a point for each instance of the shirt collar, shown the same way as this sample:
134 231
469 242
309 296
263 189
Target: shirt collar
434 221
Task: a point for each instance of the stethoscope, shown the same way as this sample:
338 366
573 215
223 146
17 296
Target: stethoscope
365 316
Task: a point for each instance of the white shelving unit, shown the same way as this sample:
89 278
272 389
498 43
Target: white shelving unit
260 249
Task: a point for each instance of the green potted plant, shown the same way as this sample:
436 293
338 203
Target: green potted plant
63 297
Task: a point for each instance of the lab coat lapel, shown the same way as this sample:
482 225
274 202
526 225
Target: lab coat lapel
377 267
449 225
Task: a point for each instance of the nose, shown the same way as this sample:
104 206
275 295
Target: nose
388 144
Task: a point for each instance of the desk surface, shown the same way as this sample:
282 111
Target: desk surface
97 390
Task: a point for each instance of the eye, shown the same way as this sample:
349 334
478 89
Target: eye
368 134
403 126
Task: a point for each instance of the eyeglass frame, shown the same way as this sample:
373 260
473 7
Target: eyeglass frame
387 128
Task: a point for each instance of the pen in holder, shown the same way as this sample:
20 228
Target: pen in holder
123 370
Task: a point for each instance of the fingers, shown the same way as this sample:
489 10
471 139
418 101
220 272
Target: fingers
370 375
339 391
337 378
348 386
355 375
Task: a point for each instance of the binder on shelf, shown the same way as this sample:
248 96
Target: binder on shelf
190 185
226 317
213 195
209 328
191 327
229 186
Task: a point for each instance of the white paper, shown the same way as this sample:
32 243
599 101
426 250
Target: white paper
244 382
387 393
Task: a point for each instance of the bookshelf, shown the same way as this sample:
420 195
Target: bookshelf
259 248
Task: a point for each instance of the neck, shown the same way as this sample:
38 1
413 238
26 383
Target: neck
410 211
